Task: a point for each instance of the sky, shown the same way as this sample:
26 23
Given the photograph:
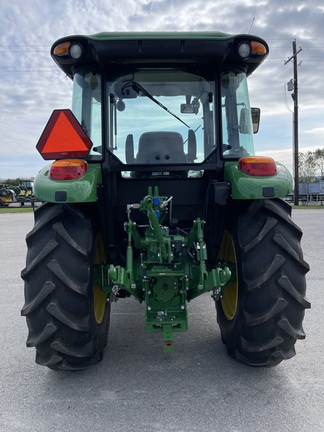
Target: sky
32 86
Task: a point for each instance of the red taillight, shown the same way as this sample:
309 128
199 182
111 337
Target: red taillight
68 169
258 166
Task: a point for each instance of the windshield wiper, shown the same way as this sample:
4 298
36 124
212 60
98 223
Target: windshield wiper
138 88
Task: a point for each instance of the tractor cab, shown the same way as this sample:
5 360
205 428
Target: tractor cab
176 105
167 118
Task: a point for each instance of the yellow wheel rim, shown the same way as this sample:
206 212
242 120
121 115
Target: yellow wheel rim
99 296
230 298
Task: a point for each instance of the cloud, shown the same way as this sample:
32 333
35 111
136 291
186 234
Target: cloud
316 131
31 85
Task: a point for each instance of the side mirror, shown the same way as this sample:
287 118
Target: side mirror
245 121
255 114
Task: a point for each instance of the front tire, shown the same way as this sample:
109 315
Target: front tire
261 314
67 317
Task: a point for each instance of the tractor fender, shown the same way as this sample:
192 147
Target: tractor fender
83 189
244 186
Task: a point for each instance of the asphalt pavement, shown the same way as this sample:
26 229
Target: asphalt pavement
137 387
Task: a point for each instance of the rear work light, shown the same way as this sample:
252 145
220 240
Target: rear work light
258 166
252 49
68 49
68 169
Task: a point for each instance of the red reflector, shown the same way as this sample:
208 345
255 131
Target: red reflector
258 166
63 137
68 169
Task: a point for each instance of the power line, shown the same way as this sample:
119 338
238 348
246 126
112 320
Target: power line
24 46
29 70
24 51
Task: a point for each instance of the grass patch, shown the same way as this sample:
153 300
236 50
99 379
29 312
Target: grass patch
16 210
308 207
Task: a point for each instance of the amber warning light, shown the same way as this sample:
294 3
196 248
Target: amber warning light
63 137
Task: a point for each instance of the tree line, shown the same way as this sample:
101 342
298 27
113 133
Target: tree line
13 182
310 164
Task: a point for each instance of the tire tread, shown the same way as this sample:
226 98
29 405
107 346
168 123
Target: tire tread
271 277
58 290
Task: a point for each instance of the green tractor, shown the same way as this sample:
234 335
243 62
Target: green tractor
155 192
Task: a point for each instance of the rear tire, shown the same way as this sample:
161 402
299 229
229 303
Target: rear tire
261 316
67 318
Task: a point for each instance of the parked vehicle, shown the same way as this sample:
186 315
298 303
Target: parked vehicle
156 193
7 195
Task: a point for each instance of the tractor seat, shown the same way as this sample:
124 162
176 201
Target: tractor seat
160 148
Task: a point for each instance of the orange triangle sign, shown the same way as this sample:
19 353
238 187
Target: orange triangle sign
63 137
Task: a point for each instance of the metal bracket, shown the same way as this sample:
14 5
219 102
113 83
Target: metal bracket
168 338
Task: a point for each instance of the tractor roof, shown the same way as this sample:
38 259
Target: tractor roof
102 49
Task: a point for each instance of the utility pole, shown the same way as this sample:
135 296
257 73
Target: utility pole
295 121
